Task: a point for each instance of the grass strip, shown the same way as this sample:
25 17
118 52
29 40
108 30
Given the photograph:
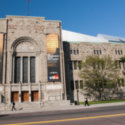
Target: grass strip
104 101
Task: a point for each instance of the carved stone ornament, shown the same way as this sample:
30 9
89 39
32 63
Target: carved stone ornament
25 47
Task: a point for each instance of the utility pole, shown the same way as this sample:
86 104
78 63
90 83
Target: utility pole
28 3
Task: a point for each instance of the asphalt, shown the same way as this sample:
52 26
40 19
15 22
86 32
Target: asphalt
60 108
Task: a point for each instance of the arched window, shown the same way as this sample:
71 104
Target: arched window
24 62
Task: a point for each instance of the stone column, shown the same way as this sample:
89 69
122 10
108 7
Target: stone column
4 60
9 67
21 69
39 91
63 75
20 89
29 84
13 73
9 91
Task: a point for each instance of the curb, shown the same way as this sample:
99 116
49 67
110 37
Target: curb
61 108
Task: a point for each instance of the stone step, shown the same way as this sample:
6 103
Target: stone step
35 105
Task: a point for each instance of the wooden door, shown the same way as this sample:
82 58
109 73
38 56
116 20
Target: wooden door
25 96
35 96
14 96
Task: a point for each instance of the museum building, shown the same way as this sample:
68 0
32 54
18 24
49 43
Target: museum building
39 60
32 64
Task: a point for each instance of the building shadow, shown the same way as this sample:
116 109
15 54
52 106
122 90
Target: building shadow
68 72
3 115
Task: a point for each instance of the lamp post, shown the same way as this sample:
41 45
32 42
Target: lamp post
77 96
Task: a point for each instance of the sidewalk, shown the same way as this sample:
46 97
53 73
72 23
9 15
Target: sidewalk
60 108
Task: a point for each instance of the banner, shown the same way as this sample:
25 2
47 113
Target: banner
53 57
1 56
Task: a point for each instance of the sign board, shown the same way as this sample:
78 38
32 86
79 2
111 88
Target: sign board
54 87
53 57
1 57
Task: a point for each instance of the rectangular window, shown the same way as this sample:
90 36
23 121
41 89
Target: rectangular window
120 64
100 52
32 69
116 52
121 52
72 85
74 51
79 65
123 65
17 70
81 84
116 63
75 64
77 51
76 84
70 51
25 69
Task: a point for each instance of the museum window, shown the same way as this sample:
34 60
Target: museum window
81 84
76 84
25 69
17 70
70 51
121 82
75 51
120 64
32 69
97 52
72 85
118 52
27 72
80 65
123 63
75 65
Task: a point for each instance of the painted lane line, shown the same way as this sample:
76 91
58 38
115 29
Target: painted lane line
66 120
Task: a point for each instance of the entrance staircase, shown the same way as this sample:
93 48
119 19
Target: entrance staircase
35 105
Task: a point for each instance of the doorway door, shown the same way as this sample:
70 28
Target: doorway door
25 96
35 96
14 96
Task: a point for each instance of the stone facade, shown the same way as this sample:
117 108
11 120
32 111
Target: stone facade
25 37
76 52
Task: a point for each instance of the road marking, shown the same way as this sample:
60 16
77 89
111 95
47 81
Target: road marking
66 120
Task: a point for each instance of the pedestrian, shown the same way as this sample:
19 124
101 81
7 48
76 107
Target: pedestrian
86 102
13 106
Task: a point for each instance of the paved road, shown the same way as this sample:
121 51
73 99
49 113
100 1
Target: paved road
93 116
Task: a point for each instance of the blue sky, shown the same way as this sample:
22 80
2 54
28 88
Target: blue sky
84 16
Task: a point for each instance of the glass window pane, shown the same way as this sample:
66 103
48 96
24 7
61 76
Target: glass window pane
25 69
76 84
75 64
72 85
17 70
32 69
81 84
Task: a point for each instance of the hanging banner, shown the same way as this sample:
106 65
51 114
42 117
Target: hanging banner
53 57
1 56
